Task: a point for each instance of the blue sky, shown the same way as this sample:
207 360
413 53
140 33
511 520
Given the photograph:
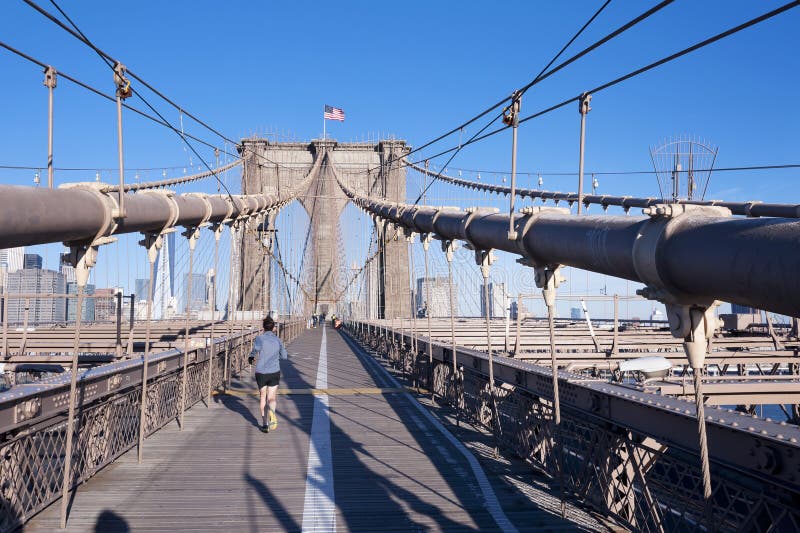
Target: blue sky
412 70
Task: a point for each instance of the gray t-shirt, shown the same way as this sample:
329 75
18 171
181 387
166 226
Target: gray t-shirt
267 349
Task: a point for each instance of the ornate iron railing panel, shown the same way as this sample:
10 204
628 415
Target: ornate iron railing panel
641 482
32 457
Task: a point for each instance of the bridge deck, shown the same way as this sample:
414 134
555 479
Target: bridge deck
365 456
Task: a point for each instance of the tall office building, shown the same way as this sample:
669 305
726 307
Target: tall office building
164 280
32 261
3 277
516 307
105 305
88 306
741 309
210 275
497 300
13 258
39 310
66 269
439 306
140 289
199 296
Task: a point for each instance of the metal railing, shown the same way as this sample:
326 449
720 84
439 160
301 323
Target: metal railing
33 421
624 453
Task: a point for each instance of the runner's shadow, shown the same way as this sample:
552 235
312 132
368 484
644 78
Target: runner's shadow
111 521
237 405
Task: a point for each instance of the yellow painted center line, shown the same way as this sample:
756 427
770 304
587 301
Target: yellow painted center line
331 392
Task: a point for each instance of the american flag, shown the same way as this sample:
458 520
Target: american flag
333 113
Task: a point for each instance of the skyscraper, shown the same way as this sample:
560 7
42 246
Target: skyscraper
32 261
140 289
741 309
515 308
439 306
209 288
497 300
105 305
13 258
164 280
67 270
39 310
88 306
199 296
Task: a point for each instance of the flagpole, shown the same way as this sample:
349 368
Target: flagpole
323 122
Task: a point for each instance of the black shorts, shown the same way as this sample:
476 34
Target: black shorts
268 380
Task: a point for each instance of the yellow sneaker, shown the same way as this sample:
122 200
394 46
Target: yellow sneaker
273 420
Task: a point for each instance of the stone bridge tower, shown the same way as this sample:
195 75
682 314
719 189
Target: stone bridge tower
369 168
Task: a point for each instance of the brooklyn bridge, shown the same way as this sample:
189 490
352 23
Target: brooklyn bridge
446 371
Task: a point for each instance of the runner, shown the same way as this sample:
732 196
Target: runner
267 350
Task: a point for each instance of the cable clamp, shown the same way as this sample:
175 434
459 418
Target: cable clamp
123 84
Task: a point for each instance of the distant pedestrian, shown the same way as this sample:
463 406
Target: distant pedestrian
267 350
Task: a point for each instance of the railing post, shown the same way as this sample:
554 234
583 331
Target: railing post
83 257
485 258
414 295
119 325
152 243
129 349
231 312
449 248
67 482
5 326
696 324
615 345
507 314
517 342
426 243
192 234
217 229
548 279
24 338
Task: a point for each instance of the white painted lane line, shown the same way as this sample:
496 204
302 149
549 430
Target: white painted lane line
491 502
319 508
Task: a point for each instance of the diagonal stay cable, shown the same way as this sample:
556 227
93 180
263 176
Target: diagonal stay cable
538 77
544 74
77 34
96 91
110 62
634 73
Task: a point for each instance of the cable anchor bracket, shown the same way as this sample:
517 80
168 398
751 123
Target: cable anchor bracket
123 84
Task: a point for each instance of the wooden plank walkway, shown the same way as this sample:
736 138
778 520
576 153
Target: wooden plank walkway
378 463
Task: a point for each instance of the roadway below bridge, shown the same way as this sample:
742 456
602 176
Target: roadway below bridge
355 450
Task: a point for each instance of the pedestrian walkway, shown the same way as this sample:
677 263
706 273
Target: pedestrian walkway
354 451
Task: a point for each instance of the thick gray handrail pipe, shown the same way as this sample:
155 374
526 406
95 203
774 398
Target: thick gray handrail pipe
80 212
30 216
690 255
